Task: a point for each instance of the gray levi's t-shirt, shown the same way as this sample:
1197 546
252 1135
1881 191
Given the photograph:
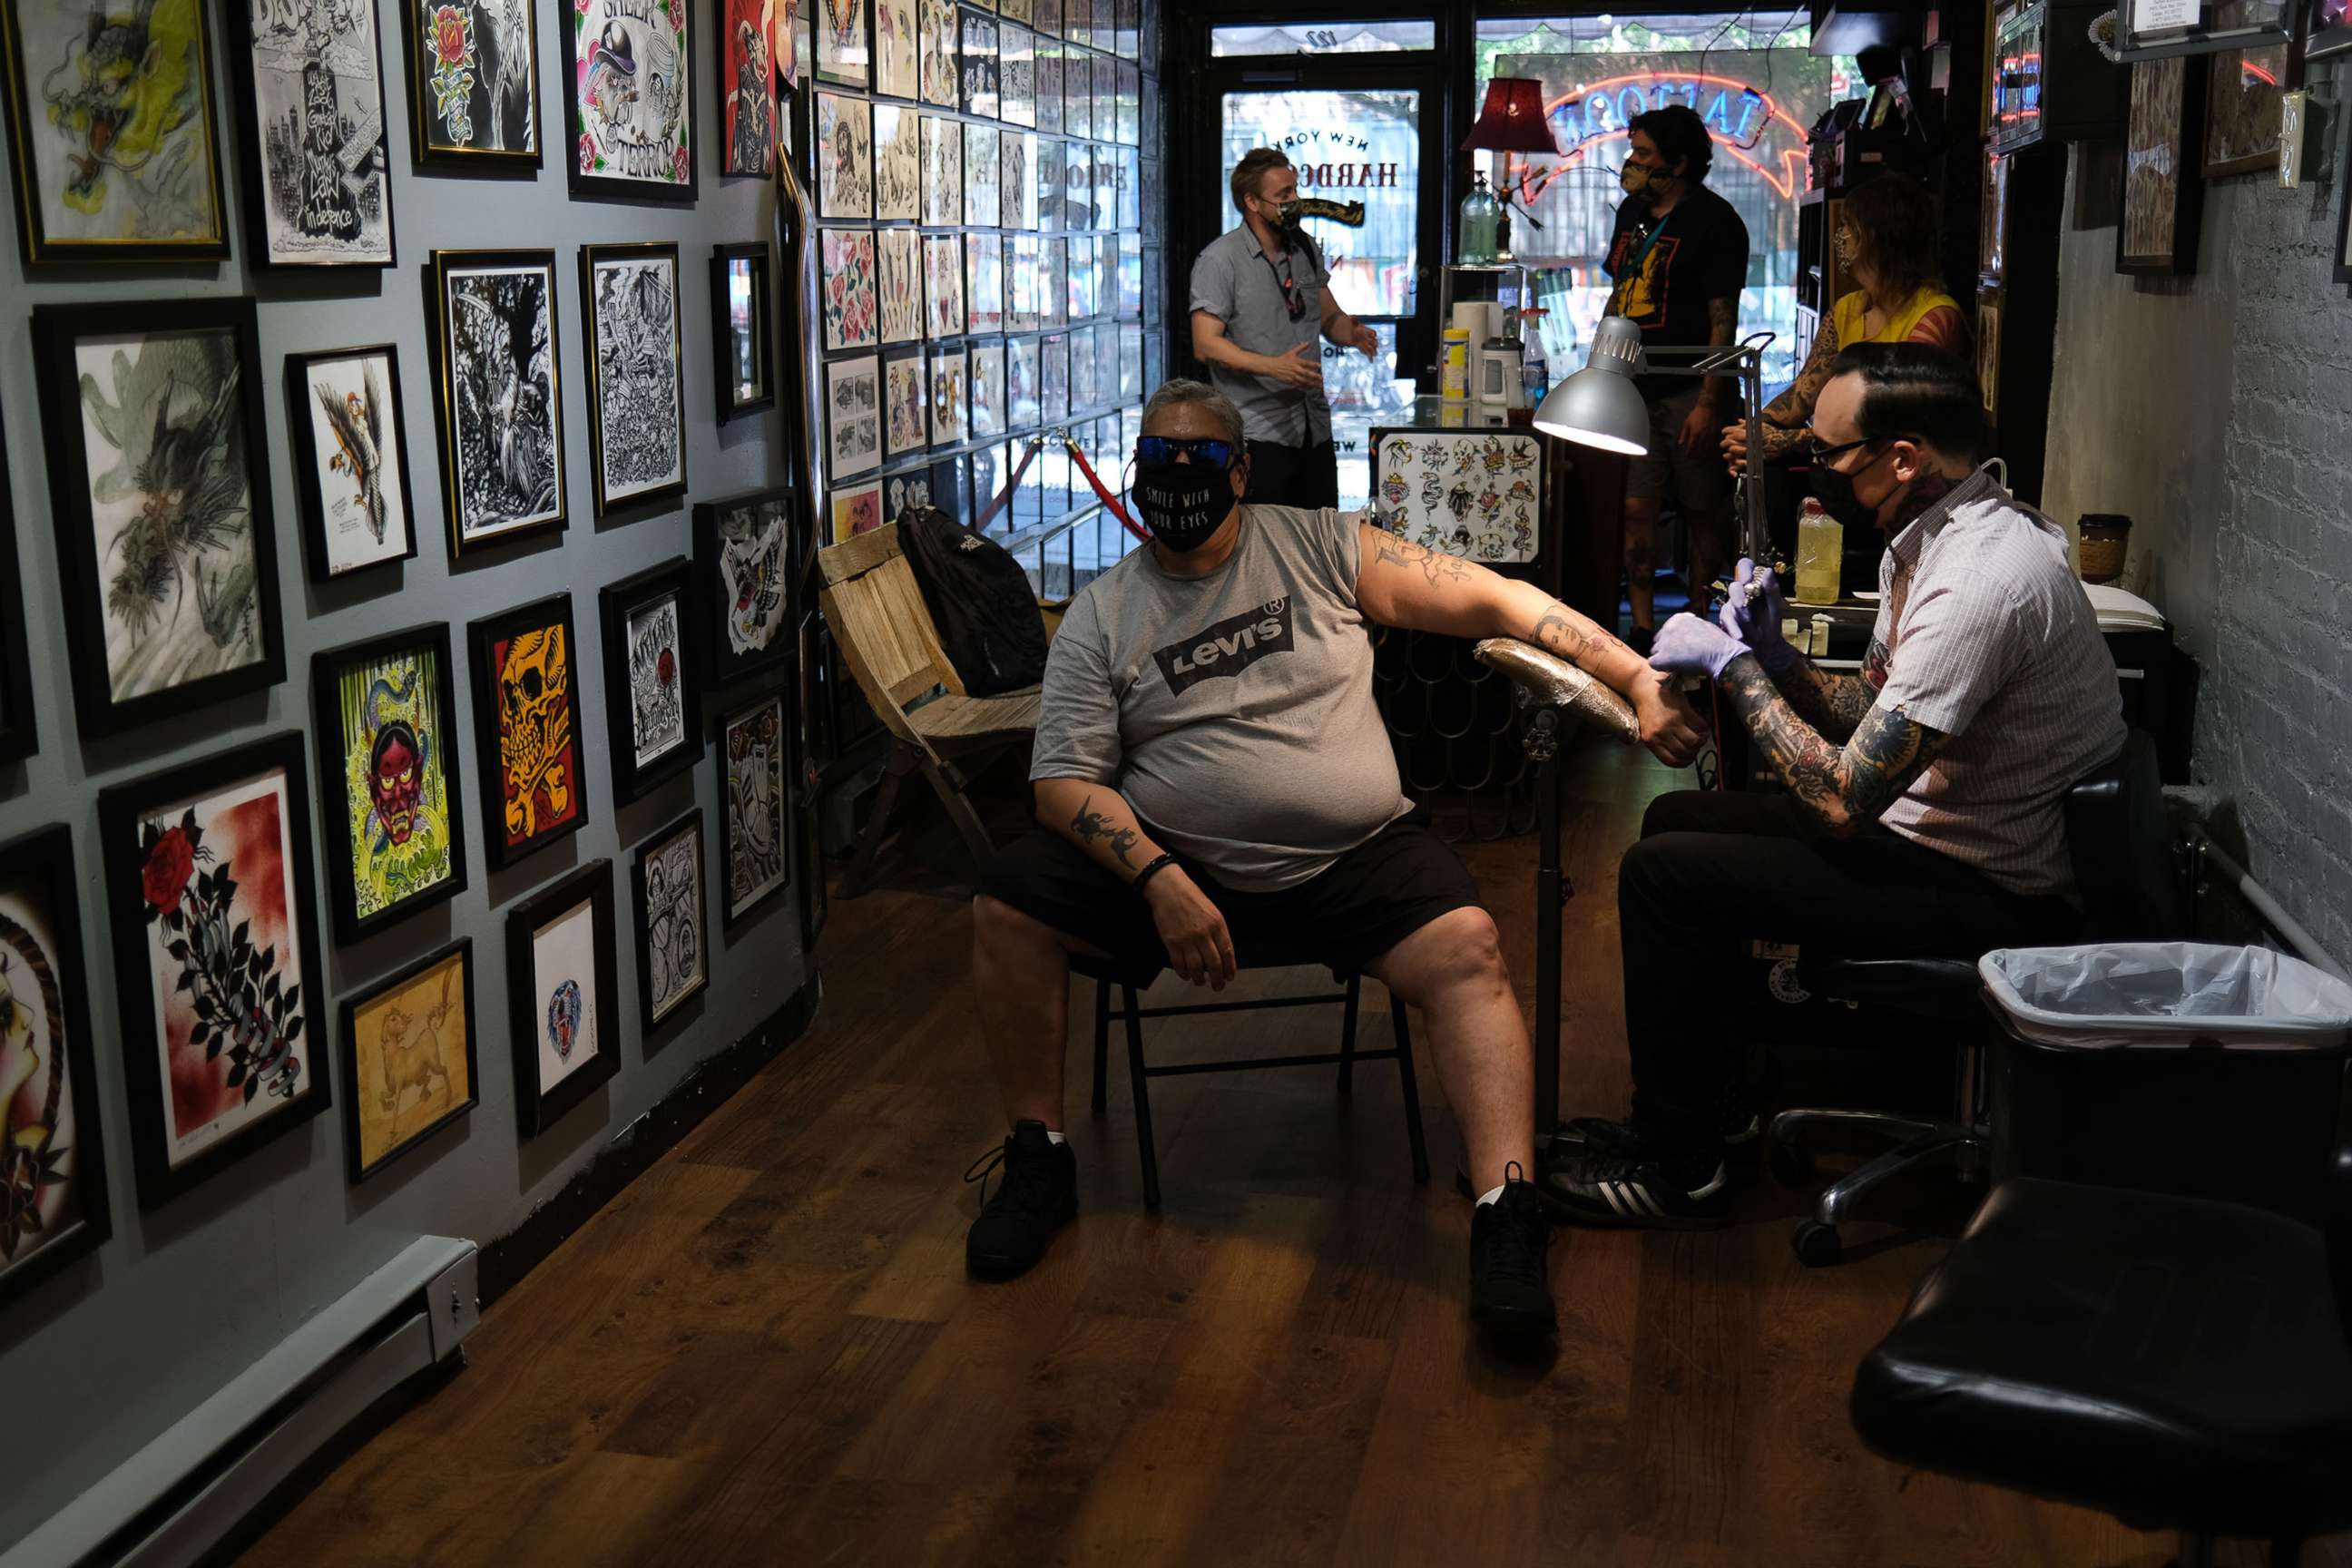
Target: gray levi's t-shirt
1233 711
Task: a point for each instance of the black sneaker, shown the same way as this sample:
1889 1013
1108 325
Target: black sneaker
1038 1195
1739 1120
1508 1238
1638 1190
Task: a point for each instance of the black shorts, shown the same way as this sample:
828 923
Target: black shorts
1363 904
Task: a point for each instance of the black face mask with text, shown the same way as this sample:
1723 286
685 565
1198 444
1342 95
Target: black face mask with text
1182 503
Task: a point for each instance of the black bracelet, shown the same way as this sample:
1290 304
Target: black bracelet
1135 885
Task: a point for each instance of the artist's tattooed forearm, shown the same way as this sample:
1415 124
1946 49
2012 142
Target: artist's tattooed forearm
1090 824
1787 418
1722 319
1831 703
1846 788
1435 566
1572 638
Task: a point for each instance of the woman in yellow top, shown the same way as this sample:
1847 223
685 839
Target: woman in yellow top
1886 243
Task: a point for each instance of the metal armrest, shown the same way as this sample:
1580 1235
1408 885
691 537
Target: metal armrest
1546 680
1926 987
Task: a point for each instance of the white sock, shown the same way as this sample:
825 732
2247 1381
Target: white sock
1053 1137
1489 1196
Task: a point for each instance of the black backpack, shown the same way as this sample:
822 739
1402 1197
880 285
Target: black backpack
980 601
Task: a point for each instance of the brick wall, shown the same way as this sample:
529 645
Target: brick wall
2217 411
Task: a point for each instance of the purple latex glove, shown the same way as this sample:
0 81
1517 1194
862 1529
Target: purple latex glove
1756 622
1692 645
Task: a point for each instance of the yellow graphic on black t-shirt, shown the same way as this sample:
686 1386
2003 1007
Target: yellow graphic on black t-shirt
1640 294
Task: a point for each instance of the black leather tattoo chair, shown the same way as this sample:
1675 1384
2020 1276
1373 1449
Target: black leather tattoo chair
1131 1013
2128 877
2177 1363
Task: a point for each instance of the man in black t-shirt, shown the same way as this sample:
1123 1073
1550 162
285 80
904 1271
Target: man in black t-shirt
1679 258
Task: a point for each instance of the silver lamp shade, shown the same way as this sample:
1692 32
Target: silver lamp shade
1600 406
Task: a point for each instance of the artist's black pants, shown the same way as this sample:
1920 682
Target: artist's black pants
1715 869
1306 477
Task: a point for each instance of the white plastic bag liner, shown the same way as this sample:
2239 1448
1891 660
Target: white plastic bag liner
2167 993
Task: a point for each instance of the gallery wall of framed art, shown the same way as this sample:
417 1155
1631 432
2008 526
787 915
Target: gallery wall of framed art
254 487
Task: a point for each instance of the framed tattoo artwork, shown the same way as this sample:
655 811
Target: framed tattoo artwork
2244 99
1022 394
158 484
895 71
527 728
20 734
1024 269
849 295
949 423
113 151
752 818
984 282
409 1063
977 47
636 373
2162 192
943 171
935 35
988 400
944 284
744 350
564 1021
906 412
208 883
350 435
747 103
981 204
742 557
1016 182
1017 76
387 729
853 416
650 683
898 164
310 114
898 282
52 1169
841 53
844 156
673 925
1048 80
788 45
497 392
473 84
628 78
856 509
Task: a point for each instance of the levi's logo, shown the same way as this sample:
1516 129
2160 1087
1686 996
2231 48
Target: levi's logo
1230 646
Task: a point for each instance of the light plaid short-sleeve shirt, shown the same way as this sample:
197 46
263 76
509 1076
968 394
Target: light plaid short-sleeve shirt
1984 634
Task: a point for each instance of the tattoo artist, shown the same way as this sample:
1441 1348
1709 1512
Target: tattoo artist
1922 812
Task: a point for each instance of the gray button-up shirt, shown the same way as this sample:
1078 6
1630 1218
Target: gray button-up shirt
1233 281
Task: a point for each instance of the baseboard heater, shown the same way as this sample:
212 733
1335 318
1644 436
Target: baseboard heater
176 1499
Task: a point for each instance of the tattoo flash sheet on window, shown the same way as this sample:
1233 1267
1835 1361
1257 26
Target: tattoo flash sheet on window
1471 493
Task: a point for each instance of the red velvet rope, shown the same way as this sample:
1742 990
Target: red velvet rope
1108 499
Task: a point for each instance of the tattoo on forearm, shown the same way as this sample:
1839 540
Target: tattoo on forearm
1435 566
1091 825
1831 703
1722 319
1559 632
1844 787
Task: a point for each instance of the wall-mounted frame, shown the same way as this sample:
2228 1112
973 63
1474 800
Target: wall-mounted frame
562 1016
164 536
2244 89
743 349
310 97
629 101
80 193
473 86
535 776
630 310
672 920
349 428
2168 29
2163 194
53 1206
497 388
747 86
754 821
743 560
651 677
2328 31
410 1068
20 734
209 879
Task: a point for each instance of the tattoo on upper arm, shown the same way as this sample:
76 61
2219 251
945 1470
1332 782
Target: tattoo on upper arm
1435 566
1888 751
1091 825
1845 788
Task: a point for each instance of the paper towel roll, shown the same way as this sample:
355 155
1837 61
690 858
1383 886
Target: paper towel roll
1479 318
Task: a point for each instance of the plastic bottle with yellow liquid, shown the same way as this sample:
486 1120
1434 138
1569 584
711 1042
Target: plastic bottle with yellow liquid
1820 556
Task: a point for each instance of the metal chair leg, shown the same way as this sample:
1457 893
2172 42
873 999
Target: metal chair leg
1946 1145
1348 1037
1411 1092
1102 1039
1142 1101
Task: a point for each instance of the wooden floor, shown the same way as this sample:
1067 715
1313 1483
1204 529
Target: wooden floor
766 1351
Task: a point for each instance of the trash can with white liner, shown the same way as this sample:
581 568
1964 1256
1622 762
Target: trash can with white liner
2185 1068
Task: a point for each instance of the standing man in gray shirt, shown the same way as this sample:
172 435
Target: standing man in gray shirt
1261 298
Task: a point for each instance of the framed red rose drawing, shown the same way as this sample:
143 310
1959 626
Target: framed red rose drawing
473 84
209 878
649 681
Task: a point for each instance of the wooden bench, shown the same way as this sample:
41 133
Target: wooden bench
878 616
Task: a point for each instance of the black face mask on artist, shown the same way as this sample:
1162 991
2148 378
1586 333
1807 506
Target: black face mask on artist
1834 490
1182 503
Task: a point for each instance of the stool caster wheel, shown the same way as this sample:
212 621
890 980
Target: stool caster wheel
1792 1163
1817 1245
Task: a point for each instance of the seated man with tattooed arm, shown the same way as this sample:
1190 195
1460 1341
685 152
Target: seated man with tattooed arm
1923 812
1213 781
